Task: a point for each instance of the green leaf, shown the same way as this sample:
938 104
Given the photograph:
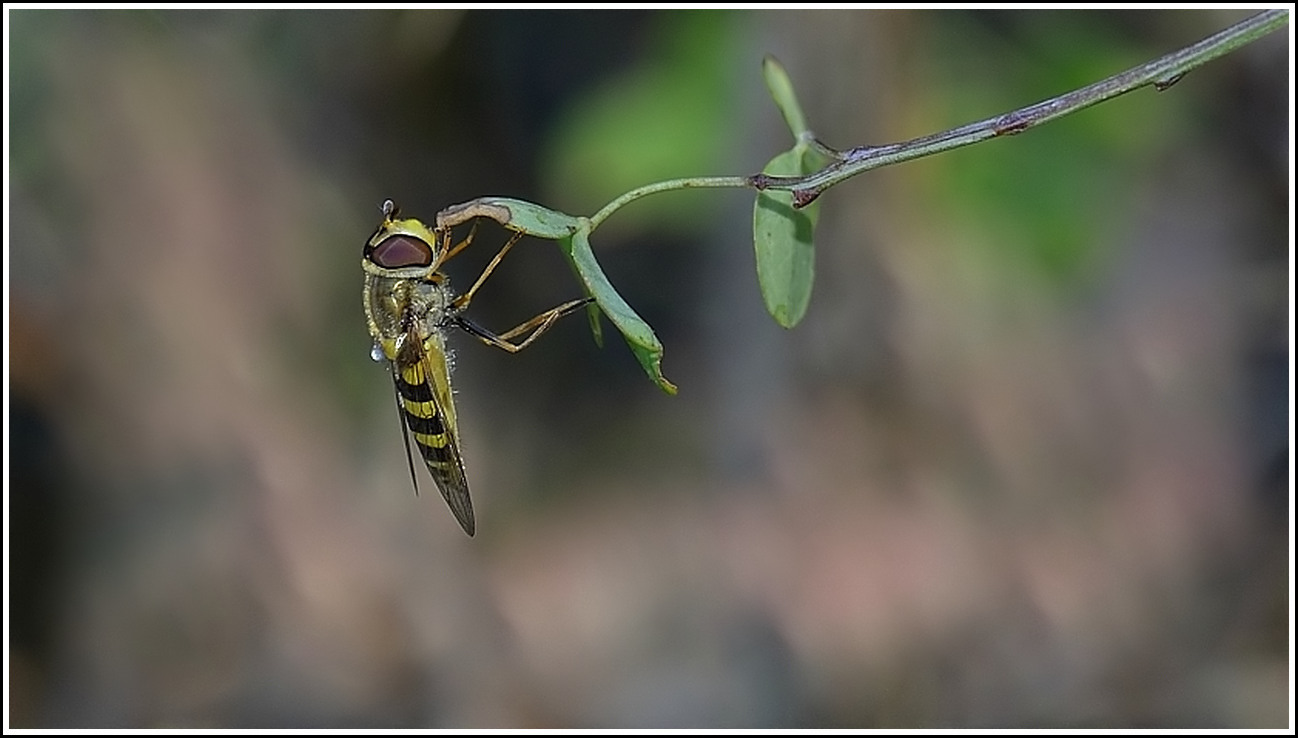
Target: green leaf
517 215
782 240
777 81
639 336
782 235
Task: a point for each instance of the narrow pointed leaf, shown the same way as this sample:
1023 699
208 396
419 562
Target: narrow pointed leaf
639 336
781 88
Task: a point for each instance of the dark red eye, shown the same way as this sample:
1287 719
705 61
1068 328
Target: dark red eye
400 251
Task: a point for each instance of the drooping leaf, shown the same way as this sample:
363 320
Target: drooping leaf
639 336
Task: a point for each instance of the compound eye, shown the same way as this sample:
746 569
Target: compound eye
396 252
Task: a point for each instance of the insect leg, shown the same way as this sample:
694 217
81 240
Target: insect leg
462 301
448 250
537 325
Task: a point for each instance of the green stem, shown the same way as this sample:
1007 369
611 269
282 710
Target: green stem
1162 73
684 183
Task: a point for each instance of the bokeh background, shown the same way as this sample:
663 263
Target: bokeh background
1025 463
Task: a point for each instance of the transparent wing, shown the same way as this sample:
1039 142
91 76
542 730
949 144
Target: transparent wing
424 391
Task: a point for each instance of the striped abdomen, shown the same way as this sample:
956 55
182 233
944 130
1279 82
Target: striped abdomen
424 399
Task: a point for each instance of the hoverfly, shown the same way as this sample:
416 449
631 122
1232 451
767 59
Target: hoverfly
409 304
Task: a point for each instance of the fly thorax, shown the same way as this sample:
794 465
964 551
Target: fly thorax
384 304
432 302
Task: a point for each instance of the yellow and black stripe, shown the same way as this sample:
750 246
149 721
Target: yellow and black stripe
424 418
433 431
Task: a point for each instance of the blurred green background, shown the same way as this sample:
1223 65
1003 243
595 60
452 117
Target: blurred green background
1024 464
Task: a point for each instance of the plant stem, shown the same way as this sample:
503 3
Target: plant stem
684 183
1162 73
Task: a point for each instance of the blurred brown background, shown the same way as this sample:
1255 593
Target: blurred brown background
1025 463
